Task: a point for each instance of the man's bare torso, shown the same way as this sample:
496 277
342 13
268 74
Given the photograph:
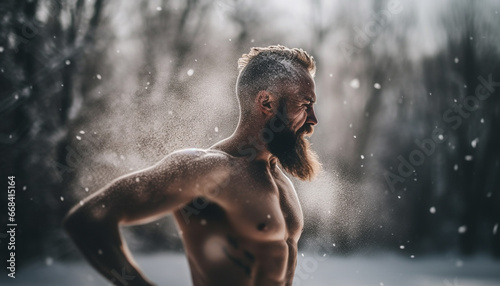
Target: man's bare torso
249 235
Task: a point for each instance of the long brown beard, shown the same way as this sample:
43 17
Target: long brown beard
293 149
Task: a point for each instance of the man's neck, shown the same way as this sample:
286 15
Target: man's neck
246 141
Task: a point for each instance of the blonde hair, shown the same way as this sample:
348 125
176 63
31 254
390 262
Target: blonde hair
295 55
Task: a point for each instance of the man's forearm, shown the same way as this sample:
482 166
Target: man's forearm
103 247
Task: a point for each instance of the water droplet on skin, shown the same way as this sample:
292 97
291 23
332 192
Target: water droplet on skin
268 216
462 229
432 210
99 252
86 189
190 72
62 199
362 157
81 203
78 138
377 85
137 179
98 76
401 247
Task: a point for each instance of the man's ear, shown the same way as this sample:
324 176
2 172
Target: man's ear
266 102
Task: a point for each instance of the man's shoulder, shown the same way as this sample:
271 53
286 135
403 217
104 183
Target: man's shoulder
197 159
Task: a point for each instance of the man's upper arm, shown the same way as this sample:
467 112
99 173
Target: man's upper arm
153 192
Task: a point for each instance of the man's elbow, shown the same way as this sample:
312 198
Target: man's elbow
81 219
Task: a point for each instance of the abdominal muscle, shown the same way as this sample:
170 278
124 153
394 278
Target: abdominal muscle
218 255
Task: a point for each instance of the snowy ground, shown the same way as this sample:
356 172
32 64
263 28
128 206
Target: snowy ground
386 270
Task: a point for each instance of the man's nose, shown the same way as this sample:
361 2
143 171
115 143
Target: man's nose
311 117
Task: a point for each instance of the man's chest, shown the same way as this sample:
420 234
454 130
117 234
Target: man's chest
265 208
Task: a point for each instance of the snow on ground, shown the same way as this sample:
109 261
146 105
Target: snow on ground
379 270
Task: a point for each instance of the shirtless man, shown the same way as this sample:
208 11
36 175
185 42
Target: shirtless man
238 213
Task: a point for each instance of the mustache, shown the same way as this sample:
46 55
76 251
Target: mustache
306 130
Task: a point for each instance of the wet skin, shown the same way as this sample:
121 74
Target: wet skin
239 217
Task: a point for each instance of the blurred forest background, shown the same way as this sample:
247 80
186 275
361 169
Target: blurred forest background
91 90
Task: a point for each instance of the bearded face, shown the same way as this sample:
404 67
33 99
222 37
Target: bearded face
292 148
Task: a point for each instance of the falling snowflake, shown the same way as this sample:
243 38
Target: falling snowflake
474 142
354 83
49 261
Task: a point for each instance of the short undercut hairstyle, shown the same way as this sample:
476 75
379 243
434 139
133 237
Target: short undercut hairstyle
267 68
